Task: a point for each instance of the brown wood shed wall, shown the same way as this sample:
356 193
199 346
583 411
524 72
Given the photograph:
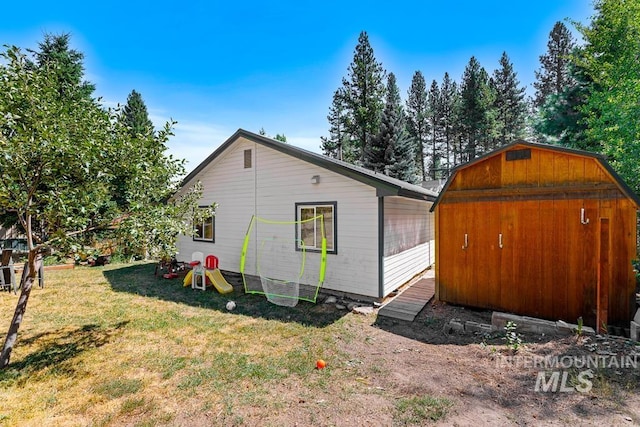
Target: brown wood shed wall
511 235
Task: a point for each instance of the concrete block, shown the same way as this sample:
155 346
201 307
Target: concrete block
470 326
533 324
634 332
564 328
499 320
477 328
454 325
636 318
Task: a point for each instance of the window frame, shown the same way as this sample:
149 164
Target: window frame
298 232
202 225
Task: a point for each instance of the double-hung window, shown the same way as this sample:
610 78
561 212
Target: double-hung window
309 231
205 230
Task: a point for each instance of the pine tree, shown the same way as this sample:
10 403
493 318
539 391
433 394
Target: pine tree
435 126
449 99
136 117
417 116
554 75
562 88
509 104
475 111
392 151
363 98
337 144
67 65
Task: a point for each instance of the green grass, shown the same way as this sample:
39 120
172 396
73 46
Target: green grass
115 345
419 410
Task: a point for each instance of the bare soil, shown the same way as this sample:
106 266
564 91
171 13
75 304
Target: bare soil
489 383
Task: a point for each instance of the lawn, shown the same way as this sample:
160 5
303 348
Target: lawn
114 345
118 346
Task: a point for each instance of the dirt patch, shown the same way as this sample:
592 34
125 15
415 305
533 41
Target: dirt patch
490 384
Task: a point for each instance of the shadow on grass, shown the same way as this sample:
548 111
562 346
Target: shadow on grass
140 279
57 350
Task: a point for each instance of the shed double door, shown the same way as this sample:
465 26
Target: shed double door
530 257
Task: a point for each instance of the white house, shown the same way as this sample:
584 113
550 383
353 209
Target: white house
380 232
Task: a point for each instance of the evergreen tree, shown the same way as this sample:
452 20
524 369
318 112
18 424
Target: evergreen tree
417 116
391 151
509 104
363 99
136 117
475 111
435 124
449 99
64 64
561 119
378 155
338 140
554 75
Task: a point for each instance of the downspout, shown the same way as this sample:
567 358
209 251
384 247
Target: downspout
255 204
380 247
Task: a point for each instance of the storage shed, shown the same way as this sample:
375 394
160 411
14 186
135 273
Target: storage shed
538 230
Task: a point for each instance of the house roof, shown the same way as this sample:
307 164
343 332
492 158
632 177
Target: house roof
622 186
385 185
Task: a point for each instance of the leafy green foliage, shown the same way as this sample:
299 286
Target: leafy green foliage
513 338
609 59
71 168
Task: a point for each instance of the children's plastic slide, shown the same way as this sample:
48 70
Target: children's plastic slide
216 278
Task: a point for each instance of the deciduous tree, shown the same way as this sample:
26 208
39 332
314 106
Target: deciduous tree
57 152
610 61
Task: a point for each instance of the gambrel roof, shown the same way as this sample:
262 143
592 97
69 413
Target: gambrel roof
598 158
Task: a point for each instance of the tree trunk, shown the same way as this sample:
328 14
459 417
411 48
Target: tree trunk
26 282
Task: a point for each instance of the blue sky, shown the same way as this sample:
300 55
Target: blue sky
218 66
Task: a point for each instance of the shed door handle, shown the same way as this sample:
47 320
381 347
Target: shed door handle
500 241
466 241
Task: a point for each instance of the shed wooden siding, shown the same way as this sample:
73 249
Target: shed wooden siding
409 240
268 192
548 264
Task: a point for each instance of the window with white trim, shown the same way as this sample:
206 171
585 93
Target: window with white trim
309 233
205 230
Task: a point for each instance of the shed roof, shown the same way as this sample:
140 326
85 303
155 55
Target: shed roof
385 185
618 181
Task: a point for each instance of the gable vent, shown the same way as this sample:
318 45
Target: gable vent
523 154
247 159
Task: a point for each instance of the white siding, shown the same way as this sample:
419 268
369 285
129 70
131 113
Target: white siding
409 240
270 189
